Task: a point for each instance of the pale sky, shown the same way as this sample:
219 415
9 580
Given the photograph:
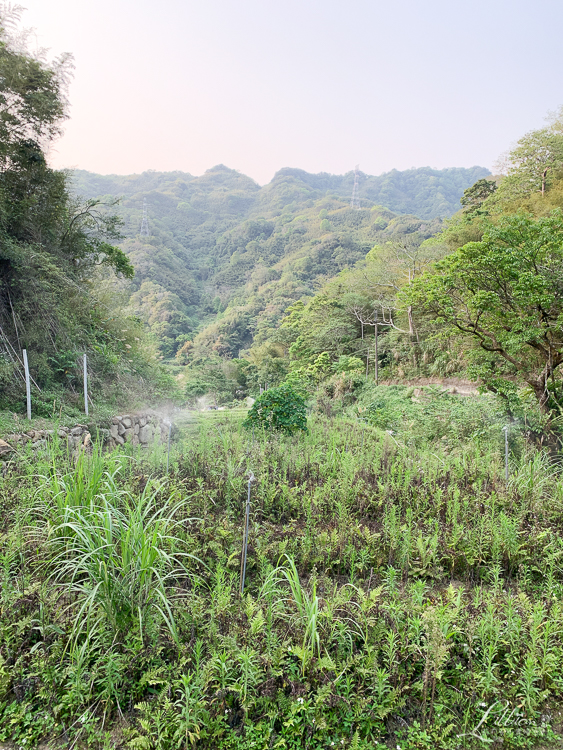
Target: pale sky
261 85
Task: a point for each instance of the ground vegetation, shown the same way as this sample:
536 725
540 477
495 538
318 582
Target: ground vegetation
398 591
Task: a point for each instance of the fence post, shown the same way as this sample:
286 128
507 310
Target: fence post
27 384
376 354
505 430
245 537
85 368
168 454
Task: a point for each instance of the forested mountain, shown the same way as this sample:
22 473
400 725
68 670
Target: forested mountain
483 297
425 192
224 257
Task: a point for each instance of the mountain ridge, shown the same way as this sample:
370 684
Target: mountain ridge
220 245
423 191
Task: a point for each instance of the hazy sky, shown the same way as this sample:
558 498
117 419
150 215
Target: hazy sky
260 85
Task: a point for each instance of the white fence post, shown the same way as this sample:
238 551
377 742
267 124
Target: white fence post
27 385
85 385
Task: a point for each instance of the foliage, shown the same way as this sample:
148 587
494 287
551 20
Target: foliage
117 554
345 363
422 416
32 101
534 162
474 197
53 247
225 258
221 380
505 292
278 408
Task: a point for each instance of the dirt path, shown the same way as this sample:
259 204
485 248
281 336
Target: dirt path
453 385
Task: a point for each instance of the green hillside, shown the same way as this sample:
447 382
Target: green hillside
225 257
352 561
59 259
425 192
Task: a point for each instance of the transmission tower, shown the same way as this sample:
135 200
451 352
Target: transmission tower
355 202
145 223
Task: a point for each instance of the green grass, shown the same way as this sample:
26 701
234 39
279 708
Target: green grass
397 591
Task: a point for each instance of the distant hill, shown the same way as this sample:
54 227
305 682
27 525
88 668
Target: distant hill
225 257
425 192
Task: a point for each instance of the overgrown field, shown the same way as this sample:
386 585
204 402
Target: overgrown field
398 593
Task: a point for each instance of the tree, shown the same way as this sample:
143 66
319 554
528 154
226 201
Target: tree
394 266
474 197
324 325
33 94
506 293
534 160
269 363
50 242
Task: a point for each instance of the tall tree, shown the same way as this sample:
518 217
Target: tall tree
474 197
49 242
505 293
394 266
529 166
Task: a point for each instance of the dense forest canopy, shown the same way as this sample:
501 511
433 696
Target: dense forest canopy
425 192
246 286
224 257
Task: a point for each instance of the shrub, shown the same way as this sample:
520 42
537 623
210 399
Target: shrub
347 363
278 409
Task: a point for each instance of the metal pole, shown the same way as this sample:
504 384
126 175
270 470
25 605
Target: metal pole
85 384
505 430
376 355
245 537
27 385
168 454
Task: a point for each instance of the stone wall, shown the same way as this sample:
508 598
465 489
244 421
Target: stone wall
137 429
77 436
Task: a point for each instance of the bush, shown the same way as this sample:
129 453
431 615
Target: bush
428 414
196 388
347 363
278 409
342 386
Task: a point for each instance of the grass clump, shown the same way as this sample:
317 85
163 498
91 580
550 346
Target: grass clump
115 552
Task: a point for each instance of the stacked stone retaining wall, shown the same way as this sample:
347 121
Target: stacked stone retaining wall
137 429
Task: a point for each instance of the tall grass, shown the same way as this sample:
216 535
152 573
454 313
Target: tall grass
116 553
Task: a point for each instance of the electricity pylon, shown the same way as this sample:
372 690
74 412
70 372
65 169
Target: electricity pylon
145 223
355 202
